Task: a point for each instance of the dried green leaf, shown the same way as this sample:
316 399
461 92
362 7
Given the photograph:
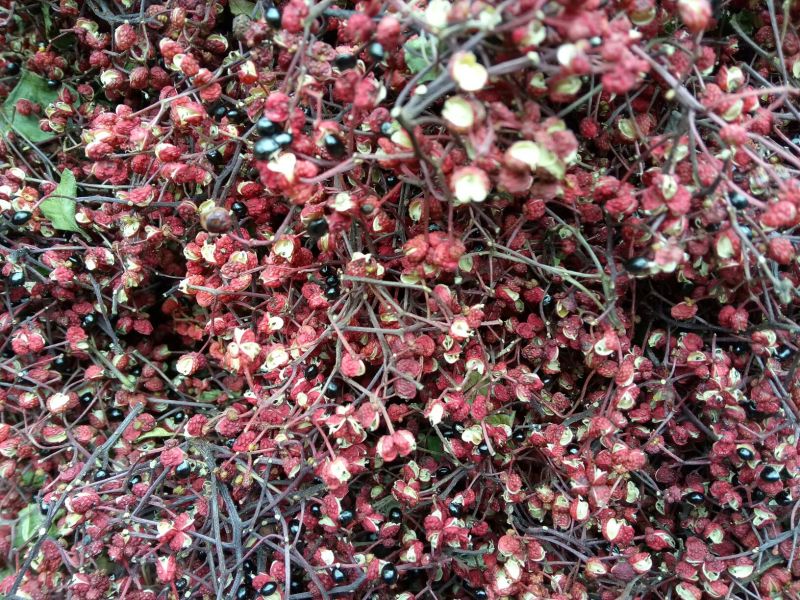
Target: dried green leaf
34 88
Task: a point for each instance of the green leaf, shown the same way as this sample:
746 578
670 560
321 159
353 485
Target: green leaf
158 432
242 7
33 88
59 207
48 20
420 52
433 444
28 522
501 419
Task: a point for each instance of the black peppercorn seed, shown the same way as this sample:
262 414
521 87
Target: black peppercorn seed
317 227
21 217
89 321
16 279
310 372
745 453
343 62
53 84
264 148
326 270
12 68
332 293
115 414
389 573
739 201
239 209
637 264
273 17
695 498
266 127
346 517
395 515
333 389
455 509
770 475
268 588
284 138
334 145
338 576
183 470
376 51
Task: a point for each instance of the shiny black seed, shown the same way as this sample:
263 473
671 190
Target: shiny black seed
219 111
16 279
443 471
44 508
249 566
243 592
115 414
316 511
483 449
770 475
386 127
748 233
296 586
334 145
750 408
136 370
53 84
367 209
389 574
61 363
230 443
310 372
758 495
455 509
183 470
265 126
134 480
739 201
739 348
519 436
784 498
395 515
21 217
273 17
86 397
317 228
215 157
239 209
434 227
234 115
338 576
75 261
89 321
480 594
332 280
269 588
637 264
100 474
391 181
294 526
264 148
783 352
346 517
181 584
332 293
326 270
179 416
333 389
745 453
448 432
12 68
284 138
344 62
694 498
376 51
